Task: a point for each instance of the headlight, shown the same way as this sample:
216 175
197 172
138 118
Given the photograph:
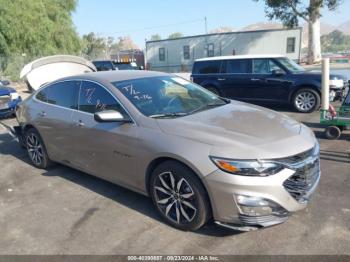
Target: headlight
247 168
336 83
14 96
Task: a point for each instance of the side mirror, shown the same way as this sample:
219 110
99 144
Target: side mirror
110 116
278 72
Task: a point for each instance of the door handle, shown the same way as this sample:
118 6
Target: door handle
42 114
221 79
80 123
255 79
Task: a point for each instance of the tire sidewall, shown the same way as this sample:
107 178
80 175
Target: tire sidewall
202 202
329 132
314 93
46 162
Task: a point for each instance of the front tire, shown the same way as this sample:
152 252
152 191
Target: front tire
179 196
36 149
306 100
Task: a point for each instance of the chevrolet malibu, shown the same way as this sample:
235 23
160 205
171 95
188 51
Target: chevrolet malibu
197 155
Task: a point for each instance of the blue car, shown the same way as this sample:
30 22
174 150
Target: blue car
9 99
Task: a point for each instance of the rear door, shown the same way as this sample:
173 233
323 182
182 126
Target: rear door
235 78
106 150
56 104
265 85
207 73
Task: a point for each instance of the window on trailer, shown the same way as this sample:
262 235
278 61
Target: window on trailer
162 54
210 50
186 50
291 45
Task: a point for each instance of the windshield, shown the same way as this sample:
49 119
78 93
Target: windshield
167 96
290 65
126 66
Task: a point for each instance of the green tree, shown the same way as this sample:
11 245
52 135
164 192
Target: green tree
36 28
335 41
155 37
94 47
291 11
175 35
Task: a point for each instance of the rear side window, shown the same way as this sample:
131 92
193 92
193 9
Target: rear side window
42 95
238 66
207 67
94 98
64 94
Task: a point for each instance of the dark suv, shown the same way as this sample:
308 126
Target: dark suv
274 79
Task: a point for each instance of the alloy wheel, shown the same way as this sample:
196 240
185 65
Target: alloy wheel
35 149
305 101
175 198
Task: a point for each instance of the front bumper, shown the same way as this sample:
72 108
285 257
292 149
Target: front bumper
339 93
288 191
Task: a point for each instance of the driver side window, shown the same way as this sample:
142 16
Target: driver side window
265 66
94 98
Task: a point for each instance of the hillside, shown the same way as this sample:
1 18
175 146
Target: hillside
325 29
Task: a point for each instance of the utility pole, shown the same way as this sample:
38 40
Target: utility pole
206 25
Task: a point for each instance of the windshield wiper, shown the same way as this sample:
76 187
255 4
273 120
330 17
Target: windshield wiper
207 106
169 115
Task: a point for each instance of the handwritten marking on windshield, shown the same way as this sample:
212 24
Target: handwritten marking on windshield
136 94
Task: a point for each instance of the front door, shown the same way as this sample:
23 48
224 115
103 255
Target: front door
267 86
106 150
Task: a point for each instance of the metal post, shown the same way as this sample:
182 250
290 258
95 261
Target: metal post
206 25
325 84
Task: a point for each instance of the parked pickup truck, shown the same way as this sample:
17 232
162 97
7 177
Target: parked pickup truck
268 78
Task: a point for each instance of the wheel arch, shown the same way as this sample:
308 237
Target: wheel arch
26 127
303 86
156 162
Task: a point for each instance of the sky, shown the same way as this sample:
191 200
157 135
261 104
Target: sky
142 18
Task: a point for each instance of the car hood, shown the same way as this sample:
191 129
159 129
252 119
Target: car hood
5 90
318 75
242 131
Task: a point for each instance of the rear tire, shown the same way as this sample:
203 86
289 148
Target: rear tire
332 132
36 149
306 100
179 196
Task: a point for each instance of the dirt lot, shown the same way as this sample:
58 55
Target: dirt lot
63 211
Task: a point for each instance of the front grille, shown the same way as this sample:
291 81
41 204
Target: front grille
293 160
264 220
303 180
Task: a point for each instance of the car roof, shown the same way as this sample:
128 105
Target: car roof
119 75
237 57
